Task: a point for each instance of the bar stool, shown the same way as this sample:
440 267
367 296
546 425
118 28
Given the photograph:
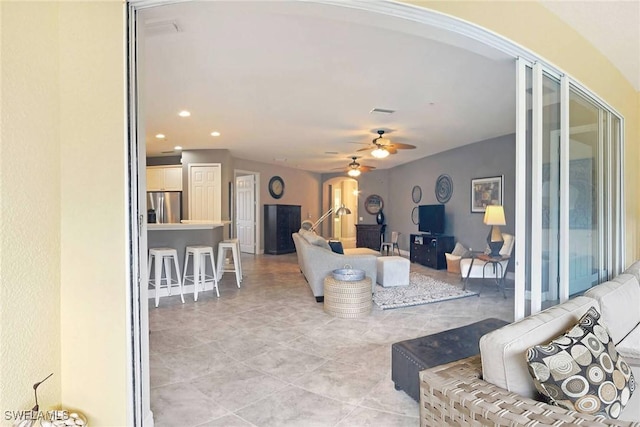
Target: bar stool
200 255
162 257
232 245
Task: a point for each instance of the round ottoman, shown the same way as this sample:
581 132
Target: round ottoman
348 300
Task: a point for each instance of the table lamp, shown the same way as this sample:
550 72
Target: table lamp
494 216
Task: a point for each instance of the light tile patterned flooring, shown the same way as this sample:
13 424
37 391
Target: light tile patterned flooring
267 355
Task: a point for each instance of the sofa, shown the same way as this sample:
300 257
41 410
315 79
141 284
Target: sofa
496 387
316 260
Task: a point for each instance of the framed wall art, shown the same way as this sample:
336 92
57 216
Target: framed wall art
485 192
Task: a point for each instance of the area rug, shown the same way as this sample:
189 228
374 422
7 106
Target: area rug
420 290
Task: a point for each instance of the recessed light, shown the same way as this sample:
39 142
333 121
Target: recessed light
184 113
215 133
177 147
160 136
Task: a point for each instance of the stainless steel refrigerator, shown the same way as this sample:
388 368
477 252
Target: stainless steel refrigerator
166 205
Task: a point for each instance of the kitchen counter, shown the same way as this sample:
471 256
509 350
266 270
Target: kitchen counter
186 226
181 235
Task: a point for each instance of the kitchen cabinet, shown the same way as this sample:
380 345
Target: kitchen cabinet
429 250
164 178
280 222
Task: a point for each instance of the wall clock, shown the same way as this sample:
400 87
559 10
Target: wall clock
373 204
276 187
416 194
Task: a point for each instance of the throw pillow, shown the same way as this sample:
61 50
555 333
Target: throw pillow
316 240
336 246
460 251
582 371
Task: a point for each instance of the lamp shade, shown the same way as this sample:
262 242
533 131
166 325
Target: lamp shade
354 172
494 215
343 210
379 153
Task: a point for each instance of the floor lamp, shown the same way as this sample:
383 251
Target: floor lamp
342 210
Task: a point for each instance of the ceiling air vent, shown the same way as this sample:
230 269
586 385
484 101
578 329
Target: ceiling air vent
382 111
156 28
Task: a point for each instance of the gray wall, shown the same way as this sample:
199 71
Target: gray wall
492 157
482 159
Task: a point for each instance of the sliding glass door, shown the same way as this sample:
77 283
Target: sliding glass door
570 200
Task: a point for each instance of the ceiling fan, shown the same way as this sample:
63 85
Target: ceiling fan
355 169
384 147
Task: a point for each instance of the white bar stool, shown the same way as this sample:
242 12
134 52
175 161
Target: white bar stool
234 246
162 257
200 255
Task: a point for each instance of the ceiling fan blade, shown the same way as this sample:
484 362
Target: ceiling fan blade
391 150
366 168
400 146
366 149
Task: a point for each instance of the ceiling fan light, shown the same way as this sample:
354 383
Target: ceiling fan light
379 153
354 172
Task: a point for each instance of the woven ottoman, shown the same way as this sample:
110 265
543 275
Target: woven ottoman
410 357
393 271
347 299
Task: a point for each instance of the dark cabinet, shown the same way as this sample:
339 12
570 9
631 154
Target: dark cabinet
429 250
369 235
280 221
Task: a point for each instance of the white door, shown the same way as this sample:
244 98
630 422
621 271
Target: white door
246 213
205 190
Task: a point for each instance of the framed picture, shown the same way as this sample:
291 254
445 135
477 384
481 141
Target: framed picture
485 192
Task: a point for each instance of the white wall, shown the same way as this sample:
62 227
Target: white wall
94 213
30 206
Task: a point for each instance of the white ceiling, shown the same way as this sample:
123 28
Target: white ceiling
297 81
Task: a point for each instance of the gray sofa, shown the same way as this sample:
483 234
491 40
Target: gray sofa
496 387
317 260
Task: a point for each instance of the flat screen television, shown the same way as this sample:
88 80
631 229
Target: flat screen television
431 219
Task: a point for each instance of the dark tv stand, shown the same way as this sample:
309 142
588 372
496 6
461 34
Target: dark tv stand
429 249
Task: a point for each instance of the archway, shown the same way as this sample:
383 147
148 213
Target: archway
336 192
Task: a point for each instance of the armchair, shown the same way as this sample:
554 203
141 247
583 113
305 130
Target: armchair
478 269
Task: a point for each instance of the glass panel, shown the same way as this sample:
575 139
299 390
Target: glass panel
586 231
616 192
528 220
550 191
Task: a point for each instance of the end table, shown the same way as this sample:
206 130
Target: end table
498 270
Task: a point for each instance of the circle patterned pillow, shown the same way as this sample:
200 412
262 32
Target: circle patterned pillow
582 371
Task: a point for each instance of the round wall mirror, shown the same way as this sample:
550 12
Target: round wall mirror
373 204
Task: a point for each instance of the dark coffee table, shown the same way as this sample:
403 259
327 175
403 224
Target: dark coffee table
410 357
